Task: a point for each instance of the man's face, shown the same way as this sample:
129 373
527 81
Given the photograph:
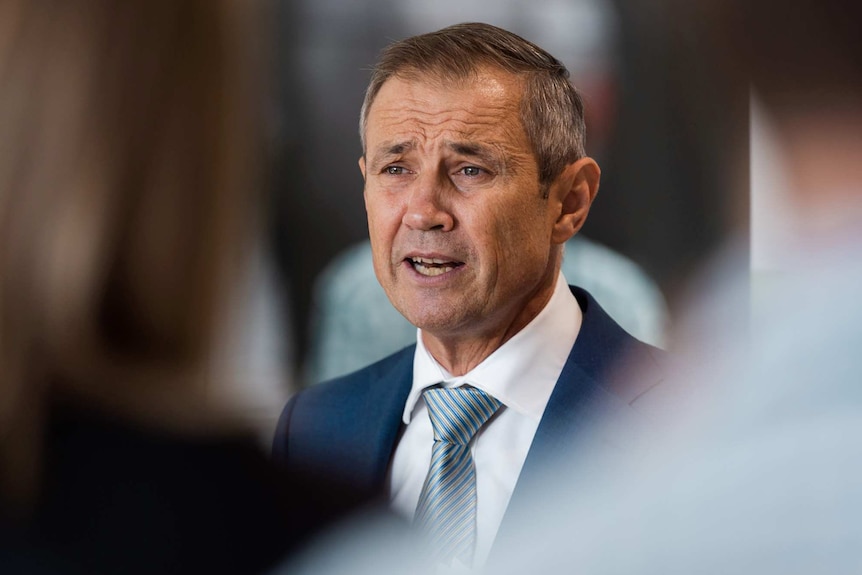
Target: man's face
460 232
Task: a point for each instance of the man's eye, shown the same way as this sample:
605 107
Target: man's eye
394 170
471 171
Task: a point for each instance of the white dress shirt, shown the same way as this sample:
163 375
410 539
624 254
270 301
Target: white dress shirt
521 374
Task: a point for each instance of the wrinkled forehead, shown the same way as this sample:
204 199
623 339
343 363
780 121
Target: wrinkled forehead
428 118
485 89
435 102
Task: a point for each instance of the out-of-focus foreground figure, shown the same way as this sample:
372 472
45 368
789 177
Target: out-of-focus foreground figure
128 140
761 466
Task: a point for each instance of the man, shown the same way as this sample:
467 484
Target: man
475 176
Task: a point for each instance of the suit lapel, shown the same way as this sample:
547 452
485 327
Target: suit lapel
346 429
587 390
382 410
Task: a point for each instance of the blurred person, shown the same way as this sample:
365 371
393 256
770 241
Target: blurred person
129 150
475 176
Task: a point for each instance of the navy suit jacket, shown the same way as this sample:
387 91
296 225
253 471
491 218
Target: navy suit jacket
346 429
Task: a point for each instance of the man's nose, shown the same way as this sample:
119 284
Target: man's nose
427 208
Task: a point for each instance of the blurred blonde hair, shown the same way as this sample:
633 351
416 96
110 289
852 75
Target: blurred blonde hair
128 134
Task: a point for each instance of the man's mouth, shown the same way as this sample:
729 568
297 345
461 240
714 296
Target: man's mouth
432 266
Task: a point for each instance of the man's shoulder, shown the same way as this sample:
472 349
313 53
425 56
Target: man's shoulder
607 352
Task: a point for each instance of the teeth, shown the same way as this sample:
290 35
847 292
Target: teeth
431 266
432 271
428 261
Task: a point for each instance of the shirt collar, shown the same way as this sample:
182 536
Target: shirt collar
522 372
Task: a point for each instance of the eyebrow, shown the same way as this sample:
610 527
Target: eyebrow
389 149
476 150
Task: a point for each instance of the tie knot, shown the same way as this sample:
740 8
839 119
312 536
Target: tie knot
458 413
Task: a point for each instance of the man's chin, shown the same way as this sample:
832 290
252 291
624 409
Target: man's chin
437 322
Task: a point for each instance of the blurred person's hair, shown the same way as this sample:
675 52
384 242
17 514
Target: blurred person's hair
806 47
552 111
805 52
127 138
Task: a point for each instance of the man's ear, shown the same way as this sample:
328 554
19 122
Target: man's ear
574 190
362 165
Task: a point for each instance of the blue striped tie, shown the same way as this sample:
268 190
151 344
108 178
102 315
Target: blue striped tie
447 505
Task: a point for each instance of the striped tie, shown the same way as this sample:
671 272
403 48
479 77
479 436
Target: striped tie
447 505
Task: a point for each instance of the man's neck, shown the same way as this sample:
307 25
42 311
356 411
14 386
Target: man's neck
461 356
458 353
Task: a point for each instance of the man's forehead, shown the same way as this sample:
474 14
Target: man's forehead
481 104
490 80
478 117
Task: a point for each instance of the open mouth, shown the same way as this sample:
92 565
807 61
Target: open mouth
432 266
